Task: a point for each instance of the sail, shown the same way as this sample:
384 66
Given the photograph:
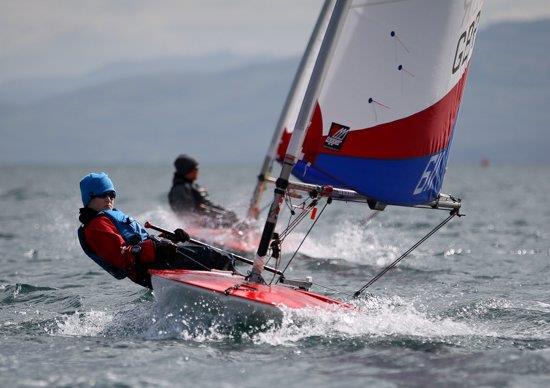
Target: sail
384 119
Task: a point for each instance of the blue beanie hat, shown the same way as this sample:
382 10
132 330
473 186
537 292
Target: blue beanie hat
95 184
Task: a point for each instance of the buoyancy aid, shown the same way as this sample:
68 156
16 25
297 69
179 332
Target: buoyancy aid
130 230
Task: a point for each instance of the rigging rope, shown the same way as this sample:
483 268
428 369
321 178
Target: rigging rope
304 239
193 260
373 214
298 219
392 265
336 291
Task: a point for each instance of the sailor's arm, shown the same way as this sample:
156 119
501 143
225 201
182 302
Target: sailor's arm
205 204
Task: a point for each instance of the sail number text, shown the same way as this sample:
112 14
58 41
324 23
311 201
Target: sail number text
465 44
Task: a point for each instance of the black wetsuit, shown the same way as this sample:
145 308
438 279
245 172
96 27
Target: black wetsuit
188 198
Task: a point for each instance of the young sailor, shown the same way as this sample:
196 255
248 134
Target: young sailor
187 198
122 247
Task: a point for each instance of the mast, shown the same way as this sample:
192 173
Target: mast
322 63
294 98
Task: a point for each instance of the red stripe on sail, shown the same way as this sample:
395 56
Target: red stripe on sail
283 144
314 137
424 133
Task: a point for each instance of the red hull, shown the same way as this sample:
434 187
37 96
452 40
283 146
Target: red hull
235 287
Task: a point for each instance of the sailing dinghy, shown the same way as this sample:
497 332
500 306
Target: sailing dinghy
369 119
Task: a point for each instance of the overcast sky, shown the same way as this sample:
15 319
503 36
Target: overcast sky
70 37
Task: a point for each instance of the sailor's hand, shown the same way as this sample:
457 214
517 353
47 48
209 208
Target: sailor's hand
230 215
181 235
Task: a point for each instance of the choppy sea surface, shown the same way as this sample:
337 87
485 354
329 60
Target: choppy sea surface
470 307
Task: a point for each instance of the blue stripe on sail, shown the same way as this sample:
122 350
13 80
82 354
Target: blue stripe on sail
406 182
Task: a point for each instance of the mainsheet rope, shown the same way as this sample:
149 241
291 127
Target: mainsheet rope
308 208
336 291
392 265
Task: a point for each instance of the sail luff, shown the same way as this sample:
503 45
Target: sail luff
294 98
322 63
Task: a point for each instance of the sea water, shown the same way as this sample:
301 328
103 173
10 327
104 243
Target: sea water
470 307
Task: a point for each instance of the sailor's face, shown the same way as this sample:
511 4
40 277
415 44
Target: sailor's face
193 174
103 202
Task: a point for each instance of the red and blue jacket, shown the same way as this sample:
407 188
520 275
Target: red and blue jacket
108 237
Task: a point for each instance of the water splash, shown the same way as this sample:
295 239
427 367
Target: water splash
373 318
160 216
353 242
80 324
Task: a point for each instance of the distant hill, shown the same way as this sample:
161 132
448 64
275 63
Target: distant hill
224 111
222 116
24 91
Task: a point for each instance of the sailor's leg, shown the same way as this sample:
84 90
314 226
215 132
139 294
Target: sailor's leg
190 256
206 256
169 256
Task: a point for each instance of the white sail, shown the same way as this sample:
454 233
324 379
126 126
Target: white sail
382 101
387 108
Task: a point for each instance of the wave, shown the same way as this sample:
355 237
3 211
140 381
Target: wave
375 321
30 295
11 293
22 193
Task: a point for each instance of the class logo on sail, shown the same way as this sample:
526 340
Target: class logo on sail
336 136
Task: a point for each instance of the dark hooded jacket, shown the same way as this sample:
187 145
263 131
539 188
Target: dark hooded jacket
188 198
